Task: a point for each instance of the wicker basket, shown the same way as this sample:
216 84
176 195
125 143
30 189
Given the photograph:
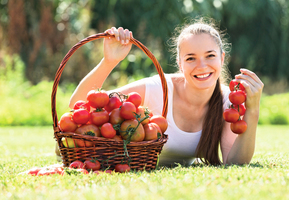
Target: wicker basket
143 155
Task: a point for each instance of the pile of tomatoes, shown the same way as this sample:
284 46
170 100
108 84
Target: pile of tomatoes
234 114
112 116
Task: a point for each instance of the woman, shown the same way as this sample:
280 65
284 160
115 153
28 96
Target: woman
196 97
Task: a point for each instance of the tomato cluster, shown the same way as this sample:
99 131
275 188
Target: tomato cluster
234 114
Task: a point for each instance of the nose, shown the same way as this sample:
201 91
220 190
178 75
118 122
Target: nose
201 63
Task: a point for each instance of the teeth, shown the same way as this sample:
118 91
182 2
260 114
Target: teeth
203 76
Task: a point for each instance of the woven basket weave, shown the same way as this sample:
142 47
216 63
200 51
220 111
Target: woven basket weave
143 155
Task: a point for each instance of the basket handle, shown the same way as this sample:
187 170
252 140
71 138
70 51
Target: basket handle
95 37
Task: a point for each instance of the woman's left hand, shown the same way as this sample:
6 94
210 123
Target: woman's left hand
253 86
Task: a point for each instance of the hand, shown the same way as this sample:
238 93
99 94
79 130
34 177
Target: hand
116 48
253 86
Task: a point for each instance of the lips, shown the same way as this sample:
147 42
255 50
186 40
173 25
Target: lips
203 76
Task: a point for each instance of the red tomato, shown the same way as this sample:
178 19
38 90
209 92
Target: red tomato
237 97
88 129
122 168
239 127
107 130
231 115
234 85
80 116
34 171
114 117
99 117
151 131
134 98
97 99
84 171
139 133
127 110
92 164
49 171
160 121
81 104
241 108
114 102
66 123
142 111
77 164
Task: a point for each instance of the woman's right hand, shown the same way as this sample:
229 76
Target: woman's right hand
117 48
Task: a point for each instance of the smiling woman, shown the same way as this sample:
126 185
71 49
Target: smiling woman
197 96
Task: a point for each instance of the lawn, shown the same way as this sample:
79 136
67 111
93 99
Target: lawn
267 177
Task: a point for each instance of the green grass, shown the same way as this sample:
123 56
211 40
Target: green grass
267 177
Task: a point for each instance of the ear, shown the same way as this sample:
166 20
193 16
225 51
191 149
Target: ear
223 58
179 65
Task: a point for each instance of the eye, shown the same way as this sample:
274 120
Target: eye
211 56
190 59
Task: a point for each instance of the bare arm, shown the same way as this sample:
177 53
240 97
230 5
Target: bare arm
243 147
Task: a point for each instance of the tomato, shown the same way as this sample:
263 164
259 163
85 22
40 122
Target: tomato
34 171
138 134
114 117
239 127
117 137
97 99
241 108
77 164
107 130
99 117
66 123
49 171
114 102
88 129
134 98
81 104
84 171
142 111
68 142
127 110
92 164
80 116
237 97
234 85
151 131
231 115
160 121
122 168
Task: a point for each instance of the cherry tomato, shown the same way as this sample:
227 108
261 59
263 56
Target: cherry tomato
88 129
237 97
49 171
107 130
239 127
81 104
151 131
231 115
160 121
114 102
139 133
80 116
99 117
114 117
241 108
92 164
134 98
234 85
142 111
97 99
127 110
77 164
34 171
66 123
122 168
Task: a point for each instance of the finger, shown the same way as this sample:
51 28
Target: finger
121 35
115 33
251 74
127 36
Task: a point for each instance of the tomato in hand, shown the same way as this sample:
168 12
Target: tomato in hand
81 104
231 115
107 130
128 110
241 109
160 121
122 168
114 117
97 99
239 127
66 123
234 85
237 97
114 102
99 117
92 164
137 136
80 116
134 98
77 164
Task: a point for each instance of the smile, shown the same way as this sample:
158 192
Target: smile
202 76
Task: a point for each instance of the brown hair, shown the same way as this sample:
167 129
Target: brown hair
208 147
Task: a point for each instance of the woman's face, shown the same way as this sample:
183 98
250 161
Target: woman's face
200 60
